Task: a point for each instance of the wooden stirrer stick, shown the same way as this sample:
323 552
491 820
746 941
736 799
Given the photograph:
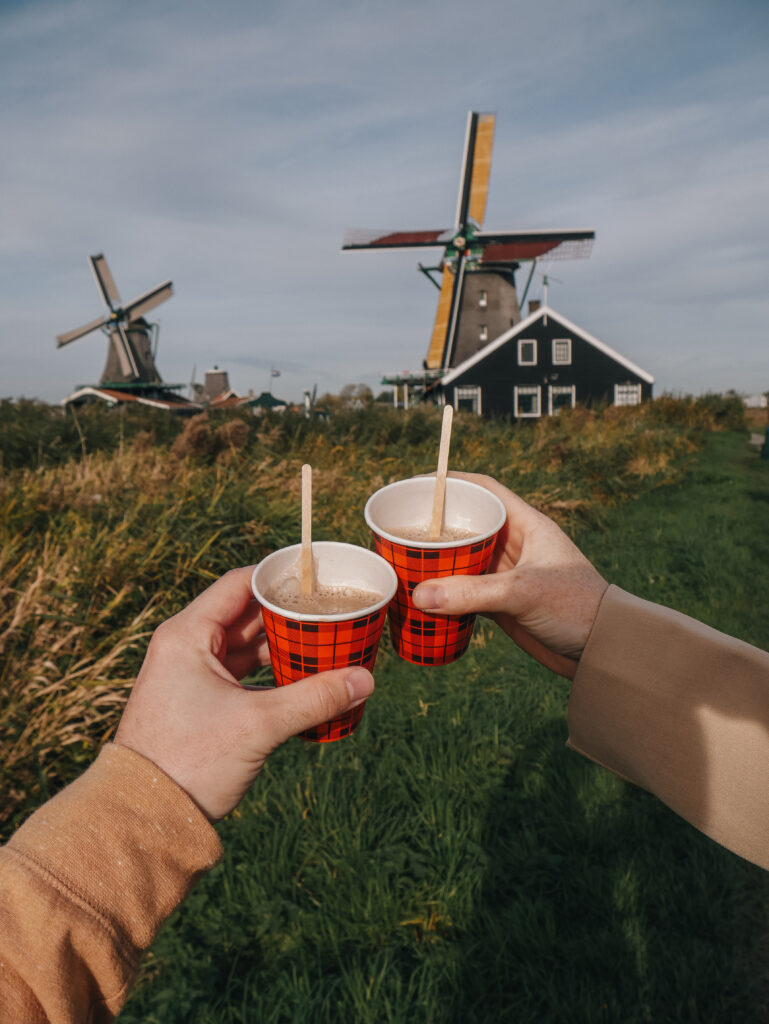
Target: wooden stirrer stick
306 529
436 524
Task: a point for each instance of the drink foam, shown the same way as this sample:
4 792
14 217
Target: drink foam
422 533
286 592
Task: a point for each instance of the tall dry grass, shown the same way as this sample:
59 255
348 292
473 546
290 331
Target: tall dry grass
98 548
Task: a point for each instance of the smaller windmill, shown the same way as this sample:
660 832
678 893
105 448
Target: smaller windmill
130 373
130 359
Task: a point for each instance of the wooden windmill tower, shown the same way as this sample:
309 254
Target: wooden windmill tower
478 298
130 359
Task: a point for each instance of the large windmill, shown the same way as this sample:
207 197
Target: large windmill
478 299
129 357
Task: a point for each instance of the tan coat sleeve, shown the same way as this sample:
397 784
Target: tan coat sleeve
86 883
682 710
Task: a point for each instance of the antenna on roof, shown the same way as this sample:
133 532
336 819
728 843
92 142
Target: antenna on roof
546 279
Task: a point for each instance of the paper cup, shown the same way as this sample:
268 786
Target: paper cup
304 644
417 637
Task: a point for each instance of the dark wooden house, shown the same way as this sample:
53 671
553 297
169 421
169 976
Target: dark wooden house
541 365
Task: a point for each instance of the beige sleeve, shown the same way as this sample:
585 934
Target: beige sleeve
682 710
86 883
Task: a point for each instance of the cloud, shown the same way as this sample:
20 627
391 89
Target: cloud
229 146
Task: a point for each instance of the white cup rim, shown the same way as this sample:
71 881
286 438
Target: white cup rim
436 544
288 613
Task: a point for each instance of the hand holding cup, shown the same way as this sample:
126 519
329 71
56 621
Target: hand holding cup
540 588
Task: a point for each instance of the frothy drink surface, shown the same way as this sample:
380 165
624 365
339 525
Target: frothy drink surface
324 600
423 533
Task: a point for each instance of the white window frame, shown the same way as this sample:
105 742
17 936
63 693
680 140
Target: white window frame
527 389
471 391
561 341
483 300
484 335
560 389
521 343
628 393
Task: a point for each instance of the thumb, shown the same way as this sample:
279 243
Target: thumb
463 595
316 700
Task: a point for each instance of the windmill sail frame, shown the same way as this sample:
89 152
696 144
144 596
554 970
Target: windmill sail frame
130 356
489 258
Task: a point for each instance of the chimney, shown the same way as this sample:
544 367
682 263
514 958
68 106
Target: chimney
534 305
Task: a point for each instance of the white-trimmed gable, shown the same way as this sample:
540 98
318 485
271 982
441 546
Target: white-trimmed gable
523 325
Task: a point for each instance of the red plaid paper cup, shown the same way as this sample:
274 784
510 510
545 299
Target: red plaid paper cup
304 644
417 637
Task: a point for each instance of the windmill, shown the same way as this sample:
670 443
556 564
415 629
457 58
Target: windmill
309 401
478 300
130 356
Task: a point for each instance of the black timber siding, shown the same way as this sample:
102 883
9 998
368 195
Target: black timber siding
593 372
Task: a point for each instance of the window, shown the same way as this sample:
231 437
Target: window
627 394
526 400
562 351
484 333
527 352
560 396
483 300
468 398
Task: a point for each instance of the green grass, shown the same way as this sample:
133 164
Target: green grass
454 862
710 562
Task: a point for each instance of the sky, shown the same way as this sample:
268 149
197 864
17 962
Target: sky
228 146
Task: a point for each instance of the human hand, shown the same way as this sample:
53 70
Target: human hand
188 714
540 588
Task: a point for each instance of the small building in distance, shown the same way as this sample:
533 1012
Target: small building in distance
540 366
215 394
153 396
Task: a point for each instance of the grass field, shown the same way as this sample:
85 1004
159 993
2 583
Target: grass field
111 522
452 861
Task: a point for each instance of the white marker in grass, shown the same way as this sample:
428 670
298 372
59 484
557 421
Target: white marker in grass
436 524
307 529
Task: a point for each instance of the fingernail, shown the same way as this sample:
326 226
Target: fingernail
360 684
429 596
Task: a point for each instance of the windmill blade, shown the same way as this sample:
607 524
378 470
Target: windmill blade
459 282
445 326
442 320
125 352
79 332
476 164
463 202
149 300
105 281
481 169
512 246
365 238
